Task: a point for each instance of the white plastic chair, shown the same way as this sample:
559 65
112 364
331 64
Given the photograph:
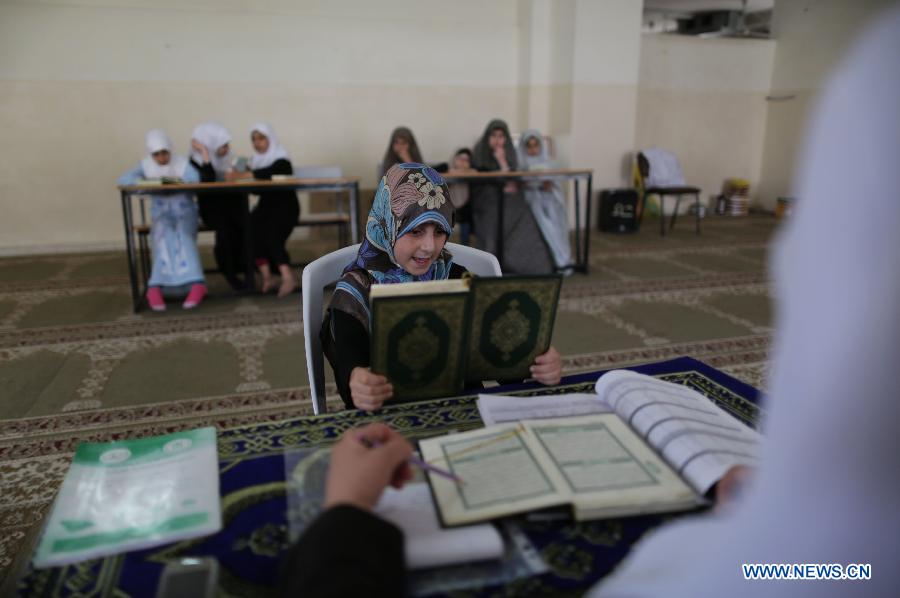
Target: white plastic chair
326 270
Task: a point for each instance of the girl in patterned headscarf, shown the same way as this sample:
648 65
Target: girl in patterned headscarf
410 221
524 249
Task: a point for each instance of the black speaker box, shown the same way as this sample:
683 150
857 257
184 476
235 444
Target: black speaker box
618 210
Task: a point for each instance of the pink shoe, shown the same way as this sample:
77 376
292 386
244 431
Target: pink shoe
155 299
198 292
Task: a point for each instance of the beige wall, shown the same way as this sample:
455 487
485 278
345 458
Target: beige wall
704 100
812 38
82 81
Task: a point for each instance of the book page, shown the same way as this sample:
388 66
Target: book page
501 475
425 543
608 469
456 285
697 438
498 409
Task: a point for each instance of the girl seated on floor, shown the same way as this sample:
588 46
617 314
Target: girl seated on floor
405 236
275 215
173 234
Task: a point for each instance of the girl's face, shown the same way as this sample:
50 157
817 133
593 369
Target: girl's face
416 250
400 146
223 149
533 146
461 162
497 139
161 157
260 142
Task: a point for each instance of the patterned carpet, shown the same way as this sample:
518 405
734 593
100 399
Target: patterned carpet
76 364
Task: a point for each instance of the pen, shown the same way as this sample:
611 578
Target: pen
418 462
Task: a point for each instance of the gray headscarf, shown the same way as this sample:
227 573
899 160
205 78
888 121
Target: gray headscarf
483 157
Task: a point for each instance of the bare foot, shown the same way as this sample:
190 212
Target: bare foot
288 286
288 281
268 284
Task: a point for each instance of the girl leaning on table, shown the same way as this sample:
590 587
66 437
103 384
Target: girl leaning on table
173 234
224 213
524 249
275 216
410 221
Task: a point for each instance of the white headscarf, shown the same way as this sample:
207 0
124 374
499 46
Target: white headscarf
828 488
527 162
157 140
213 135
275 151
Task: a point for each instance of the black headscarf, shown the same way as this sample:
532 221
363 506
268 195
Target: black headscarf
483 157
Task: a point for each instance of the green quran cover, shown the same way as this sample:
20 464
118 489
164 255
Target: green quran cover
429 338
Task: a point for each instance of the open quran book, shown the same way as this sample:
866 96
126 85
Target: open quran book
165 180
429 338
659 448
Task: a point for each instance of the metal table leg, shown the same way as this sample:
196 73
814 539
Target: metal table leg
500 208
249 266
579 264
587 224
354 213
129 249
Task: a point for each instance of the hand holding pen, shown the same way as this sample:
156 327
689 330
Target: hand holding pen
360 472
417 462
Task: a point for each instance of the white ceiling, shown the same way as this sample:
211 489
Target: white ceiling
687 6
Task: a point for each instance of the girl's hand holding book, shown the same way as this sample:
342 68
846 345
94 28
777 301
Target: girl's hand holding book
547 368
369 391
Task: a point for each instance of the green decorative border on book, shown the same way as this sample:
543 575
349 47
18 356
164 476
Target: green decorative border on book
595 427
543 290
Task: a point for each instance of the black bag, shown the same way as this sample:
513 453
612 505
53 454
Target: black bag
618 210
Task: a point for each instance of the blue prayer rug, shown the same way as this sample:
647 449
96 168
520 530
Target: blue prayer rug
253 490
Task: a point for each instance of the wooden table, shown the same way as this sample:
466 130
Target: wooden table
582 238
247 187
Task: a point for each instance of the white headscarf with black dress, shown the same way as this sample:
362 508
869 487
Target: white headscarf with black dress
271 155
213 136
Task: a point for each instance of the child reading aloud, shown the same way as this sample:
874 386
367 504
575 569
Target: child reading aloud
410 221
176 262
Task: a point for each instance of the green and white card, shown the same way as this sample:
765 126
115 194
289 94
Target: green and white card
134 494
